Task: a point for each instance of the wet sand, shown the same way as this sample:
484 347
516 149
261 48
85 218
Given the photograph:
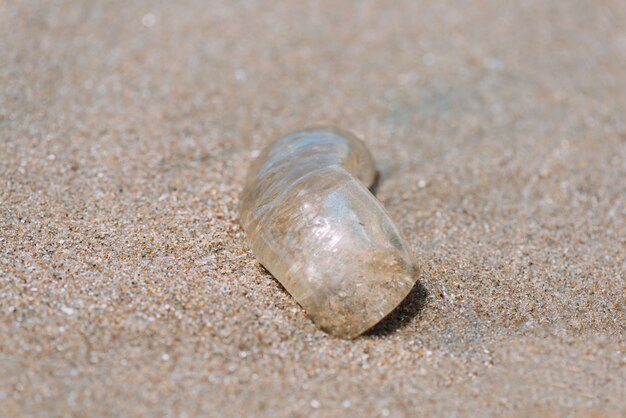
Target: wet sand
126 129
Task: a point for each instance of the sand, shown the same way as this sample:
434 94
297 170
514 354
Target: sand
126 129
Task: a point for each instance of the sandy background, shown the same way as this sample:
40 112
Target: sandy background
126 129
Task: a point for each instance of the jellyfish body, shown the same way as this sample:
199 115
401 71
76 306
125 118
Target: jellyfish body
311 220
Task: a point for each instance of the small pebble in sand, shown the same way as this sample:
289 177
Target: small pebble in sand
67 310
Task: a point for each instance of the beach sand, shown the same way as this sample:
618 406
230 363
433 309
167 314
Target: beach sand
126 130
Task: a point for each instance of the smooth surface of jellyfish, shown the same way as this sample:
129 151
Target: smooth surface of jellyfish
311 220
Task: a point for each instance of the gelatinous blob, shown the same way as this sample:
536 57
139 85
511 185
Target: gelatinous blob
312 222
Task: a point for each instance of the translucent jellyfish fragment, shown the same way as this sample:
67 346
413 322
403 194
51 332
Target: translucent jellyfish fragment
311 220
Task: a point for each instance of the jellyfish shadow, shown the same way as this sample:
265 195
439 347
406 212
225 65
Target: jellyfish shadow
410 306
373 188
403 314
